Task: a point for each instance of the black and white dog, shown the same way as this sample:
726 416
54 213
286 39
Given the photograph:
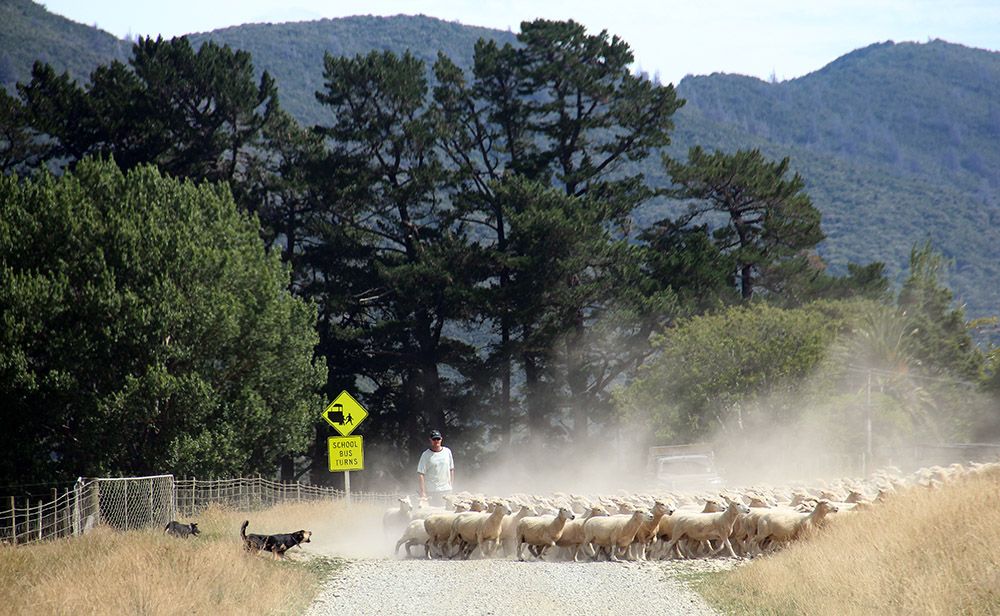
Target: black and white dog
276 544
183 531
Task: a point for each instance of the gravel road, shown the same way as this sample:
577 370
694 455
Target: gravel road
468 588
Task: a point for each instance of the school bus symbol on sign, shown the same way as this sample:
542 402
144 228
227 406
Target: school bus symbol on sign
344 414
346 453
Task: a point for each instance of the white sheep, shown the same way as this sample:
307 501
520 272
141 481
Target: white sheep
782 526
543 531
470 530
572 536
396 518
614 532
647 533
438 527
508 528
707 526
414 534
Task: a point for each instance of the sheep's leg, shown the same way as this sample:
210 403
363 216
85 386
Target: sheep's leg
399 543
674 544
520 546
612 557
729 545
545 548
722 544
487 547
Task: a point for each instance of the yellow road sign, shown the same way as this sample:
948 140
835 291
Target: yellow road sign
344 414
346 453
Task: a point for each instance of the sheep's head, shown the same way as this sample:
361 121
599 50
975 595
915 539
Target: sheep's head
712 506
566 514
598 511
824 506
737 505
642 515
662 508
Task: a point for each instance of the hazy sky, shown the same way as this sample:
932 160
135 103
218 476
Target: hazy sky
788 38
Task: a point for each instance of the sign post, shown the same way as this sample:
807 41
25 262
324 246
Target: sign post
346 452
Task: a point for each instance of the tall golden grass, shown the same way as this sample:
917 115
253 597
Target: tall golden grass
922 552
148 572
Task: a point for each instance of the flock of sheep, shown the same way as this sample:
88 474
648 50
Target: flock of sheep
744 522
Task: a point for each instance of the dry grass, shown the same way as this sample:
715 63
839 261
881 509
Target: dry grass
147 572
923 552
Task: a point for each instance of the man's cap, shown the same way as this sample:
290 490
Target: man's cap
435 434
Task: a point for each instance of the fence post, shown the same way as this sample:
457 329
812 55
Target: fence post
39 520
194 490
13 519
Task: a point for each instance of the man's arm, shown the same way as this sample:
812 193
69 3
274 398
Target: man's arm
423 490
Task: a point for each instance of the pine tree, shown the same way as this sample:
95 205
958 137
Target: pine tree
769 219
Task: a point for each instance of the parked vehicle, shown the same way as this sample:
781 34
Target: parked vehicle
684 467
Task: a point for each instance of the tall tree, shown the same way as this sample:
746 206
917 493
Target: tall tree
561 109
20 149
414 267
769 220
145 328
194 113
941 342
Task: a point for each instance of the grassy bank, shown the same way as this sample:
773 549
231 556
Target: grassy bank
147 572
923 552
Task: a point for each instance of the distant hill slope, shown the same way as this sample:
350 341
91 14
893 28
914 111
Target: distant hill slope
28 32
931 109
293 52
897 142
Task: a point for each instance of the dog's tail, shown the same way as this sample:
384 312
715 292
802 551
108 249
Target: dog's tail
243 529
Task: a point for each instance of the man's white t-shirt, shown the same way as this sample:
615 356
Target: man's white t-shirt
436 467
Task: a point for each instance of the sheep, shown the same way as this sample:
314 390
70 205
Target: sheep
664 531
708 526
394 518
572 536
414 534
613 532
646 534
783 526
508 528
542 531
479 529
438 527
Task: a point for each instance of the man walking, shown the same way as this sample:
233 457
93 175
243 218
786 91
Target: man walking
436 471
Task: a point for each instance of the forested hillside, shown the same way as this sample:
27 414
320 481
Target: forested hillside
293 52
898 143
28 33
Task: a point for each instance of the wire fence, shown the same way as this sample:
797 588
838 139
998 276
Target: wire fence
129 503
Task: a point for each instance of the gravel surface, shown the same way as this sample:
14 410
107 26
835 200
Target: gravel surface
509 587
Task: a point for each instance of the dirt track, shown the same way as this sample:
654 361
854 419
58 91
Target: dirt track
441 588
